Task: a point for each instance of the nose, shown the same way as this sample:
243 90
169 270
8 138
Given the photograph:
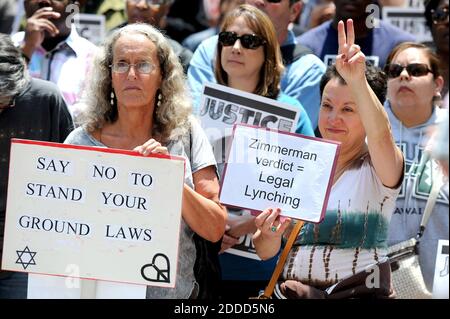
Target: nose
333 117
44 3
404 75
132 73
237 46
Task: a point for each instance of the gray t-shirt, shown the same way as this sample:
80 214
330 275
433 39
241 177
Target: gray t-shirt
198 157
411 203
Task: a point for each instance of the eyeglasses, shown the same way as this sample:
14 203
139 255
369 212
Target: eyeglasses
413 69
153 2
142 67
8 104
440 16
248 41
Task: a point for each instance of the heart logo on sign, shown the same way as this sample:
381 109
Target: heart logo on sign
158 270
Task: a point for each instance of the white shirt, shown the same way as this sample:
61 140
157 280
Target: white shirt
66 65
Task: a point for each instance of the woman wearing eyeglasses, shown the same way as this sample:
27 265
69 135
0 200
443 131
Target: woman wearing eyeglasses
414 84
436 15
248 58
137 102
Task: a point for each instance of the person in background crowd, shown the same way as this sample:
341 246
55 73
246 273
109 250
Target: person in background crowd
249 59
301 76
29 109
8 10
436 15
186 18
112 10
353 234
375 41
154 12
413 86
314 13
194 40
137 101
54 49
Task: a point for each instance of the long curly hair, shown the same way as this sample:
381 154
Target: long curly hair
171 116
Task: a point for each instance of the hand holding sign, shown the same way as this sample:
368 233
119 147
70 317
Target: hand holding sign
271 224
151 147
350 62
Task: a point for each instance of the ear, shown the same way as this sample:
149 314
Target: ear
439 81
295 11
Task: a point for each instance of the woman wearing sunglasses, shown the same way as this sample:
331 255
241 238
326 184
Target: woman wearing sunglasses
249 59
414 83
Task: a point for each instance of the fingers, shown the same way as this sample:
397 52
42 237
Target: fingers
269 222
228 242
350 33
342 39
357 58
151 147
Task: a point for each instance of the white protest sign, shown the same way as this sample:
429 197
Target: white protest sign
267 168
222 107
91 27
113 214
441 278
411 20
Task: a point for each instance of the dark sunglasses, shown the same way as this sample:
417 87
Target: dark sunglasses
248 41
413 69
439 16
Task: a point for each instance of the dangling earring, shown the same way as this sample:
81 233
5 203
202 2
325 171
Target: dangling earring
112 97
438 96
159 100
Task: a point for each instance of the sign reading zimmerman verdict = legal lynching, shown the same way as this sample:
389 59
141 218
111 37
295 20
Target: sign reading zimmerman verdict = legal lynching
267 168
114 214
222 107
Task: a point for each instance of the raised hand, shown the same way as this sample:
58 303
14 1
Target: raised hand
350 62
36 26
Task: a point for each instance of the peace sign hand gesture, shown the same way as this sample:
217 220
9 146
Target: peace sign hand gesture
350 62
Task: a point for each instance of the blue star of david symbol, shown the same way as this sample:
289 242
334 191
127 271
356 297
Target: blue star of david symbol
26 257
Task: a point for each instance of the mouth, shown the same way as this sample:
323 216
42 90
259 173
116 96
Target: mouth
334 130
235 62
405 89
131 88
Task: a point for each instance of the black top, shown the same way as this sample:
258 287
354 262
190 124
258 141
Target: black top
41 114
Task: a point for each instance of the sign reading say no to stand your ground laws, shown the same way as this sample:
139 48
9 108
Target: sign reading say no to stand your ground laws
114 214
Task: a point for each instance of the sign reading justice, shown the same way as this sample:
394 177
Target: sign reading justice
267 168
112 213
222 107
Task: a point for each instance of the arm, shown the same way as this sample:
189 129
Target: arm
386 157
267 239
201 208
237 226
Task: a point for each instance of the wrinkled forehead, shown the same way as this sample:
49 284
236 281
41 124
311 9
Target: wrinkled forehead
133 43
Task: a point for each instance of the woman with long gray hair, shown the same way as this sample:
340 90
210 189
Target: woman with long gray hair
138 102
